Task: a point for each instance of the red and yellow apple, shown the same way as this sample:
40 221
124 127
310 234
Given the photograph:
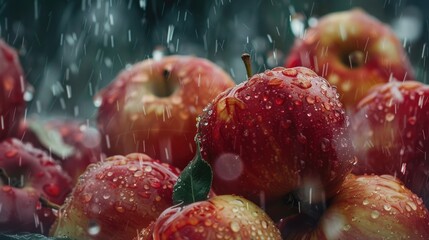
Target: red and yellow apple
152 107
353 51
366 207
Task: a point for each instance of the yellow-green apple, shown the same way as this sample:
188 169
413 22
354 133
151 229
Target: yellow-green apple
152 107
353 51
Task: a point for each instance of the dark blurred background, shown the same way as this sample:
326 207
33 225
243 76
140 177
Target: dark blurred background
71 49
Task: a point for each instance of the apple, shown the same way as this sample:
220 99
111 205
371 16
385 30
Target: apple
152 107
28 175
353 51
390 134
72 141
115 198
219 217
280 132
366 207
12 88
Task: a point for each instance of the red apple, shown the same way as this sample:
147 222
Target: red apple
28 174
390 134
353 51
366 207
116 198
220 217
75 143
152 107
12 88
281 131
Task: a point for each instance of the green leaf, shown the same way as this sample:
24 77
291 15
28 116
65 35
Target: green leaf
50 139
29 236
194 182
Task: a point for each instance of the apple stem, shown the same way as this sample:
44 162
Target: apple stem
46 203
165 90
247 63
4 177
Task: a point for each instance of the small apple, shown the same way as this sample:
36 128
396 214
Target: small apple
152 107
75 143
12 88
353 51
220 217
28 174
281 131
390 133
366 207
115 198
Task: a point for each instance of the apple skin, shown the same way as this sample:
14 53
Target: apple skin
12 88
32 174
375 53
220 217
83 139
152 107
281 131
115 198
389 130
366 207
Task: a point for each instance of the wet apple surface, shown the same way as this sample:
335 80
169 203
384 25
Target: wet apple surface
143 123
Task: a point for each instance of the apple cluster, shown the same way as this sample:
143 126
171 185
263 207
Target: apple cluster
332 145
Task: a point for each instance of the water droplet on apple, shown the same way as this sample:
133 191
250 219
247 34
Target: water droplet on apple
290 72
389 117
86 197
365 202
235 226
347 227
375 214
93 228
412 205
412 120
387 207
120 209
310 99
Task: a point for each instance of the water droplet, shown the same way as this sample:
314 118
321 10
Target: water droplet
412 120
279 101
132 168
106 196
138 173
325 144
235 226
302 82
412 205
109 174
264 224
375 214
310 99
86 197
347 227
387 207
389 117
51 189
93 228
11 153
120 209
290 72
148 169
365 202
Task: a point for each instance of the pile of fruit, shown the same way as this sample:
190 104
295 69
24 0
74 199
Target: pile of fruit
330 146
